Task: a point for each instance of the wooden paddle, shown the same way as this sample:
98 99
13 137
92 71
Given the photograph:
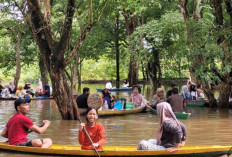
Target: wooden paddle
94 100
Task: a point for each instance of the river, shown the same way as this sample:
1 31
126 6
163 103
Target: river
206 126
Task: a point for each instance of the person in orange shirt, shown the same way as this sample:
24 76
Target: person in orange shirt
95 130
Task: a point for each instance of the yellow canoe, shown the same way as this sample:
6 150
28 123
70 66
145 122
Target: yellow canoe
119 112
120 150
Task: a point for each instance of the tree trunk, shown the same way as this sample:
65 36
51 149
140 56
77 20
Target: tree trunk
18 66
133 64
117 50
43 72
62 94
154 70
224 94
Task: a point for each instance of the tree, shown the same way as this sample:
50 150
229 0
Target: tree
53 47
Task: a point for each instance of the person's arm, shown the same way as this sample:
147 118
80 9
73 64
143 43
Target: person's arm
5 132
81 134
40 130
102 136
130 98
176 132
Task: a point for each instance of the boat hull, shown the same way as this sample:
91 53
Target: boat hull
119 150
196 103
117 89
103 113
178 115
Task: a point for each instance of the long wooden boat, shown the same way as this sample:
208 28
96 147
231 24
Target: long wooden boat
116 89
35 98
195 103
120 150
178 115
119 112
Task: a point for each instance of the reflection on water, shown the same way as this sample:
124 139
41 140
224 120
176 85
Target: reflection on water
205 127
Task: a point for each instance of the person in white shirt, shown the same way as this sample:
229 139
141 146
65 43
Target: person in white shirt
109 85
125 84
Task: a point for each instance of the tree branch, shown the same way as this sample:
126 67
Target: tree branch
82 37
66 28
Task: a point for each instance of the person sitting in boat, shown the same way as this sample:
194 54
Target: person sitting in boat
125 84
137 98
106 97
171 134
109 85
39 89
158 97
82 99
5 92
94 129
19 92
176 101
46 92
193 92
27 87
185 92
169 92
16 129
200 92
12 88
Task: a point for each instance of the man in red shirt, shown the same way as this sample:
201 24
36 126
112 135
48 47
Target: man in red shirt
16 129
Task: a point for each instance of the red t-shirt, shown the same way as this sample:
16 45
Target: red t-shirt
18 127
96 133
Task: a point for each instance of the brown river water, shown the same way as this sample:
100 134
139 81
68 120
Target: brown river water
206 126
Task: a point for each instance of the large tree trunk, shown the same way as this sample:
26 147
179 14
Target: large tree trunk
62 94
18 66
154 70
224 93
133 65
43 72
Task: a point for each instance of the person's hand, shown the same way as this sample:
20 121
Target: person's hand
148 106
182 143
172 149
95 145
46 122
82 125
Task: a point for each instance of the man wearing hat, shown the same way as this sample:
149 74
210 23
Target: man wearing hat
16 129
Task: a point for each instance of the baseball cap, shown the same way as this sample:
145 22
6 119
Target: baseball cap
21 101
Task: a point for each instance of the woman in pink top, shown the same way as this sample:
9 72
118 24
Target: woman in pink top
137 98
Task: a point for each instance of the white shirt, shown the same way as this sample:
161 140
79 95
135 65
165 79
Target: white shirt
109 85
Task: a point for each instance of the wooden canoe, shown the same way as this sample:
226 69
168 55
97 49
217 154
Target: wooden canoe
178 115
117 89
35 98
195 103
120 150
119 112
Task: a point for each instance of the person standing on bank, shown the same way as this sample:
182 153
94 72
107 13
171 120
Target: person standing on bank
176 101
171 134
16 129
